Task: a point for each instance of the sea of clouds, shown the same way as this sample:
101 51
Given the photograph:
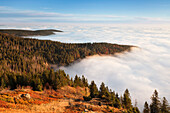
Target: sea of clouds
142 70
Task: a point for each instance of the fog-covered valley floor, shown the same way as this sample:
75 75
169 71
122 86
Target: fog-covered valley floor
141 71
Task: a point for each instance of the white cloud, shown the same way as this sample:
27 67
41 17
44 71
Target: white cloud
46 8
2 7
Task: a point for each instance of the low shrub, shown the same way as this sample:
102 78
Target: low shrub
87 98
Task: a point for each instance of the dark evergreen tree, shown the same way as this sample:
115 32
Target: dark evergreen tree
76 81
127 99
72 82
136 110
102 92
155 104
146 108
2 82
58 83
93 90
117 101
85 82
51 77
108 94
165 105
38 85
80 83
113 98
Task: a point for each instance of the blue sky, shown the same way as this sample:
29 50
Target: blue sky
111 11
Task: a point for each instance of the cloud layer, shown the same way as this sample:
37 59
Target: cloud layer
141 71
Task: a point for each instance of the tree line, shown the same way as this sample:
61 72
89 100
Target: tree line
112 98
16 32
55 80
156 105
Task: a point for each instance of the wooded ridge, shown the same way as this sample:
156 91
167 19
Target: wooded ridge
17 32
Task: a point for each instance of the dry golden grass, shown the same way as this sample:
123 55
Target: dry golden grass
74 93
63 100
55 106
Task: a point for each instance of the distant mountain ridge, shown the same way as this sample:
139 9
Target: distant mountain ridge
18 32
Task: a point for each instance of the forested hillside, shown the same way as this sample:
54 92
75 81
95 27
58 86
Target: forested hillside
21 55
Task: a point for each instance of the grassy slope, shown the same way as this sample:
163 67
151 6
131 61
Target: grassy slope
67 99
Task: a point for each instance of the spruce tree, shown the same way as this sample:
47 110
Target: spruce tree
108 96
51 77
136 110
164 107
72 82
80 83
85 82
155 104
38 84
93 90
102 92
146 108
127 100
2 82
113 98
76 81
117 101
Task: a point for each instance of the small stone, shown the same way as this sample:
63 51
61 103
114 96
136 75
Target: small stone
86 110
27 96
